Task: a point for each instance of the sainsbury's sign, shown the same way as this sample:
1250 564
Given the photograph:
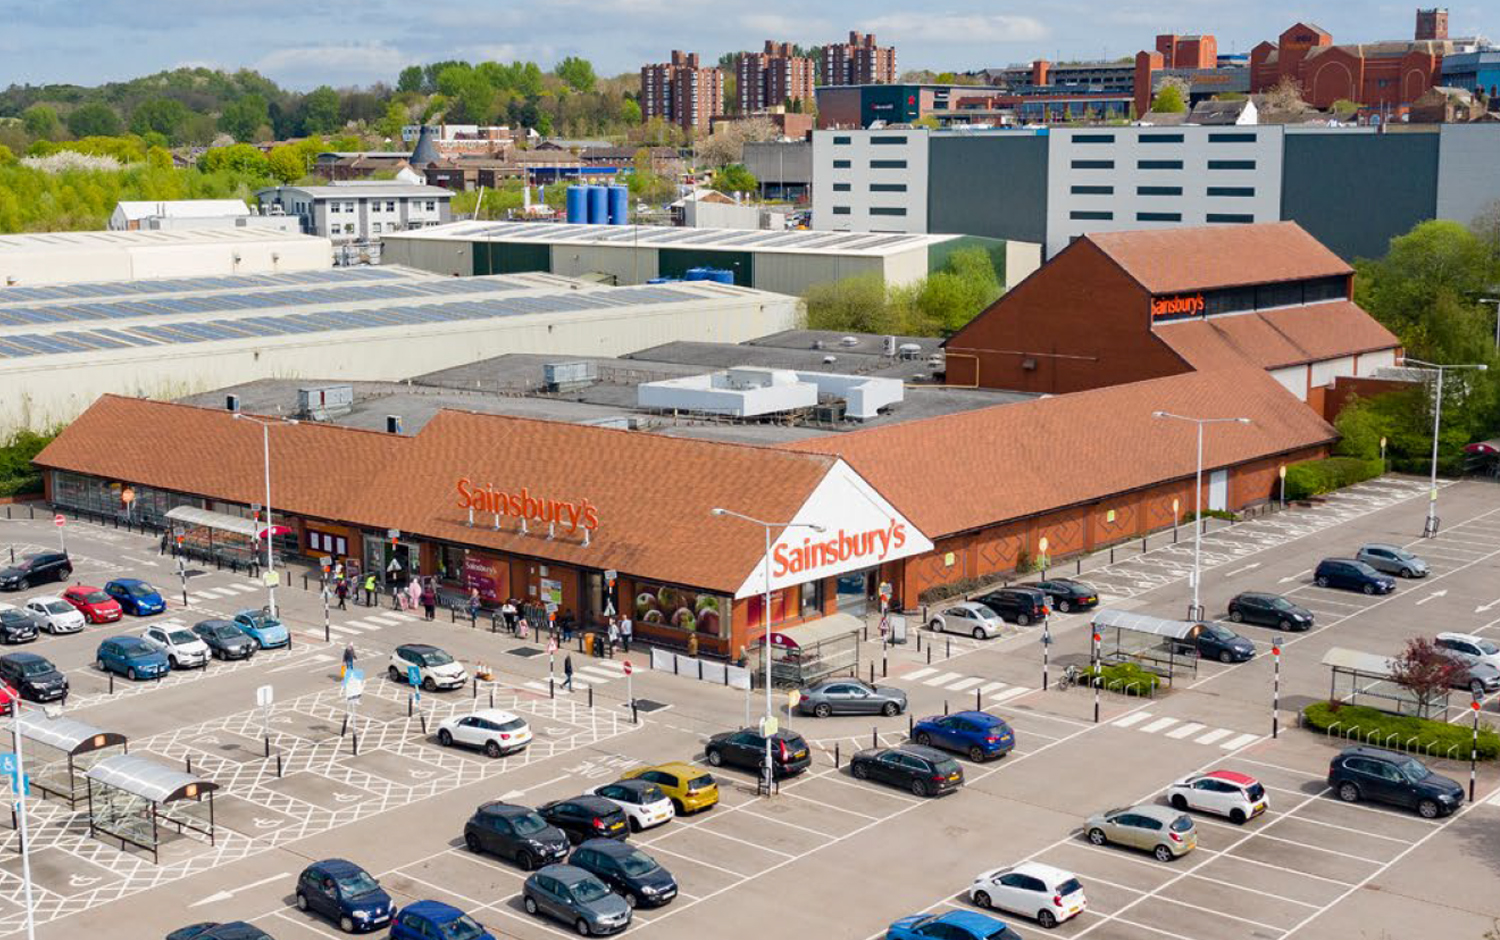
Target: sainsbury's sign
1182 305
579 514
869 546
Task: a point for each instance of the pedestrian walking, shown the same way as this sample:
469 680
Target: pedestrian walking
429 600
474 604
398 597
341 591
370 589
614 637
627 632
566 622
414 593
508 611
568 672
522 628
348 659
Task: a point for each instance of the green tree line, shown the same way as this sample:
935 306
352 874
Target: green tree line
937 305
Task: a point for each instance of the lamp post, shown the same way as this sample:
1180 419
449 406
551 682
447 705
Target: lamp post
768 727
270 575
1195 612
1430 528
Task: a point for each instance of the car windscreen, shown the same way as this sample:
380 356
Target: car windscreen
435 658
652 794
356 884
1255 791
1181 824
1402 555
1219 633
58 607
699 783
141 590
461 927
1281 603
637 863
95 597
1413 770
225 632
588 889
256 618
181 636
1069 886
528 825
14 618
1365 569
135 649
36 667
1487 648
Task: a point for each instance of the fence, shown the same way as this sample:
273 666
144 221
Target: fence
706 670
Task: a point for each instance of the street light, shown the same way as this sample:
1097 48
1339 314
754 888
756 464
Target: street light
766 729
265 427
1430 528
1195 612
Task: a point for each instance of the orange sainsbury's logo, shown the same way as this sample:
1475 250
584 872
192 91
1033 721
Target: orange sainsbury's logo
1182 305
575 515
837 549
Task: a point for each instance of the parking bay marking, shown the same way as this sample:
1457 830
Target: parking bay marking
231 892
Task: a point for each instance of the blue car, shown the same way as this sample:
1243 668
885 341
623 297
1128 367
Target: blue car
434 920
212 930
345 894
132 657
980 735
136 597
265 630
954 925
1352 575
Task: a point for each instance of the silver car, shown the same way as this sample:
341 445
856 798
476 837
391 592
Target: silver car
54 614
967 617
850 697
1392 559
576 897
1161 830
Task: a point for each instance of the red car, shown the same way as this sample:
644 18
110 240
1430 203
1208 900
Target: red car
93 603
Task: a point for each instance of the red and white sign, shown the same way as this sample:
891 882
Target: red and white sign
552 646
59 520
628 668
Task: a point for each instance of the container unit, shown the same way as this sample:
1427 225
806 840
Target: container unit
598 205
619 205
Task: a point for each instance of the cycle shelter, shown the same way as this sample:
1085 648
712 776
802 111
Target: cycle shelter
131 798
807 652
61 751
1359 678
1155 644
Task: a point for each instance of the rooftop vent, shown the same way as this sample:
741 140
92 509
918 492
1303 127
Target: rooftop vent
323 402
849 341
569 376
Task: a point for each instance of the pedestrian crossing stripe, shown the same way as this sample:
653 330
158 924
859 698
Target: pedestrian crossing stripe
336 628
1009 694
964 684
943 679
1215 735
918 674
242 588
1234 744
1158 725
1129 720
1187 730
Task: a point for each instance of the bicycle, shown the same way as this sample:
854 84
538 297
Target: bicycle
1071 676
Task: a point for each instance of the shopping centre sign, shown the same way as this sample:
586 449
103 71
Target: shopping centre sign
522 503
1176 307
868 547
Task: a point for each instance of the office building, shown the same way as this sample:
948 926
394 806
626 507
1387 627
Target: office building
680 91
360 212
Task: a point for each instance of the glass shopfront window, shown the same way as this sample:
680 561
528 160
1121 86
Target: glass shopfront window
92 494
661 605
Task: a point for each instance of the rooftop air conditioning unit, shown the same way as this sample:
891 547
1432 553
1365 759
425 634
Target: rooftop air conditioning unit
830 412
323 402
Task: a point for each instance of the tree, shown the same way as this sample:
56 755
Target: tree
1169 99
286 163
851 305
395 119
577 73
1286 97
1344 107
1427 673
411 79
41 121
164 116
95 119
734 178
727 144
6 156
630 112
236 158
319 111
243 118
1427 287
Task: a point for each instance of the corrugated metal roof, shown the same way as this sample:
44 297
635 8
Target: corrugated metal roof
651 236
1357 661
1144 623
66 734
146 778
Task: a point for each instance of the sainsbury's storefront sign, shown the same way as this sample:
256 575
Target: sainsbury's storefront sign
522 503
1183 305
843 547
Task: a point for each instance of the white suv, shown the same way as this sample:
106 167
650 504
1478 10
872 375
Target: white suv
54 614
492 730
1477 648
435 668
183 648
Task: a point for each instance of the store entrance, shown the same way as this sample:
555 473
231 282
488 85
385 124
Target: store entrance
855 591
392 563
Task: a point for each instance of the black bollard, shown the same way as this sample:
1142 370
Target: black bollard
948 654
111 683
268 745
476 688
911 724
344 728
278 766
551 687
945 706
423 719
591 696
885 666
492 698
408 706
872 672
919 639
836 763
978 701
874 737
189 761
929 653
635 715
354 738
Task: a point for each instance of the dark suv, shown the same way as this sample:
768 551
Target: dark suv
1019 605
34 677
1370 773
1352 575
1067 595
517 833
746 748
37 568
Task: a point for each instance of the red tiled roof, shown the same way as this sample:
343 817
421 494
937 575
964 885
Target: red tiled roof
959 472
1275 338
1176 260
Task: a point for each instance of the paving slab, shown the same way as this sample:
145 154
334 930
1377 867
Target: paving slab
318 790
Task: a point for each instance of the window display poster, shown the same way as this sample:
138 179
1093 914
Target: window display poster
676 607
489 575
552 592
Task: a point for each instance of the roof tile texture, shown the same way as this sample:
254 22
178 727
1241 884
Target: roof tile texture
1276 338
1175 260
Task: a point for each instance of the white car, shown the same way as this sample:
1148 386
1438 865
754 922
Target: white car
970 618
435 668
1477 648
493 730
1047 895
54 614
1221 792
183 648
644 803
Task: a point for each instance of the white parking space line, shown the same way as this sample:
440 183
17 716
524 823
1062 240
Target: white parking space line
1291 770
722 835
1186 730
1268 894
1158 725
1360 832
1129 720
840 809
689 858
1209 910
782 822
243 588
1214 735
1234 744
309 926
1278 866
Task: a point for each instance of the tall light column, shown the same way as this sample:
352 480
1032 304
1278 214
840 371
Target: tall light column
269 574
1430 528
1195 612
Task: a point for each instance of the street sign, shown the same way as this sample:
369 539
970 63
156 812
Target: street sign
611 575
414 676
628 668
271 578
393 534
793 697
59 520
393 567
769 726
8 764
354 684
552 646
264 696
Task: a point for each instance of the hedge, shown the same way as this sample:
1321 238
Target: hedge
1375 727
1127 678
1324 476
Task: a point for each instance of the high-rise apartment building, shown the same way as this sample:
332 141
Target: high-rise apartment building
773 77
858 62
681 91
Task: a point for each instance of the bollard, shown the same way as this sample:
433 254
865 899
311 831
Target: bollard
872 672
408 706
551 687
476 688
423 718
867 631
978 701
189 760
268 745
1143 545
874 737
635 715
945 706
278 765
591 696
919 640
911 724
1078 565
836 763
354 738
948 640
327 638
492 698
111 683
304 582
1111 554
884 666
453 615
929 653
344 728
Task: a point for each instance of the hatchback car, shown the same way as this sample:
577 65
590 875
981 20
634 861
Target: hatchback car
435 668
434 920
851 697
16 625
1240 797
953 925
746 748
1165 833
980 735
54 614
36 568
518 833
1020 605
925 771
265 630
1481 649
1381 776
183 647
627 871
493 730
644 803
690 788
1216 641
345 894
586 817
1392 559
213 930
1352 575
1470 673
135 597
1046 894
34 677
1067 595
573 896
131 657
95 605
224 639
969 618
1269 610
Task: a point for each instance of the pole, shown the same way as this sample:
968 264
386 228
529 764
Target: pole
1276 687
1431 528
1046 649
327 626
1473 757
1097 677
1197 528
766 651
265 432
19 788
182 571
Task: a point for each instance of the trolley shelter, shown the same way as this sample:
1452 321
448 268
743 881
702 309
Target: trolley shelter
1156 644
208 534
809 652
1359 678
130 797
60 751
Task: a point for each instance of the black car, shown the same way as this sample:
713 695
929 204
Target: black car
36 568
34 677
629 872
1271 610
212 930
225 640
746 748
16 626
586 817
925 771
1371 773
1352 575
1019 605
518 833
1066 594
1216 641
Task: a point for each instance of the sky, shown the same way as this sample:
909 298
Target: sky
305 43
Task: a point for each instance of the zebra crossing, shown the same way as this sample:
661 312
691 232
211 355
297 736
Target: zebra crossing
218 593
591 673
371 622
996 693
1180 730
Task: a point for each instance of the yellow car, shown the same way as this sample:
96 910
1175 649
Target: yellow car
690 788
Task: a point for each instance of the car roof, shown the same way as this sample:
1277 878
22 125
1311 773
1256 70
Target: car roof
680 767
975 922
920 750
433 910
127 581
976 606
45 598
418 647
1232 776
1385 545
1050 874
609 846
981 717
490 714
336 866
217 622
1364 750
24 657
82 587
1155 811
123 638
568 874
502 808
633 783
1466 637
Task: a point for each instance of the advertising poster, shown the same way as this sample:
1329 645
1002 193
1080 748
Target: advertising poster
552 592
685 610
489 575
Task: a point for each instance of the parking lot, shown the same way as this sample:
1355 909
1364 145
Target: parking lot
829 855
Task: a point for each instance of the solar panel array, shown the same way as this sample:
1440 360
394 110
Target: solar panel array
179 285
328 321
651 236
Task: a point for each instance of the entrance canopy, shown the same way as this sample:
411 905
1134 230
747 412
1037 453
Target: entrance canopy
223 522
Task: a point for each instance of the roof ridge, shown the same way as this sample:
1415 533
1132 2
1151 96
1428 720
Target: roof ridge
205 409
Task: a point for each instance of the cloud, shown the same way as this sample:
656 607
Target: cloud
957 28
781 27
352 62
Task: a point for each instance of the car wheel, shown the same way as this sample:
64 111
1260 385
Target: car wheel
715 758
1064 607
1226 657
860 771
172 661
1046 919
395 674
1163 853
631 900
924 739
582 926
24 583
1408 573
822 710
976 754
301 901
445 737
979 633
99 665
1179 802
428 685
1369 589
1476 688
918 788
64 572
1022 620
1349 793
982 898
1237 816
936 626
1284 625
1236 616
635 826
1097 837
471 841
890 710
130 673
1321 582
491 749
530 906
524 861
1428 809
346 924
678 808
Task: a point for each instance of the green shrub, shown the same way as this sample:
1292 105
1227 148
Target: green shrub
1211 514
942 592
1324 476
1127 678
1375 727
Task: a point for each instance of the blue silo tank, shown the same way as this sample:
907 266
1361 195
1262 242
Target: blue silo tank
619 205
598 205
696 274
578 205
720 275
